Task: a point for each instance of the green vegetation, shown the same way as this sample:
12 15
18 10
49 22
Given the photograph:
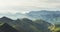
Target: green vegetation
1 23
57 28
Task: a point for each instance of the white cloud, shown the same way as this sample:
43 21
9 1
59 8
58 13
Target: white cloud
22 6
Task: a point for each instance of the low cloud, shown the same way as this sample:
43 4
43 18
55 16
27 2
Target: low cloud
25 6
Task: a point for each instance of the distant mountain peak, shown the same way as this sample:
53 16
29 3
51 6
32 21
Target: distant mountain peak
5 18
18 20
26 19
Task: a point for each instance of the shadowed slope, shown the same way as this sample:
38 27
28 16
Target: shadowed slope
6 28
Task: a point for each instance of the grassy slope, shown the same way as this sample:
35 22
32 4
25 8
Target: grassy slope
56 28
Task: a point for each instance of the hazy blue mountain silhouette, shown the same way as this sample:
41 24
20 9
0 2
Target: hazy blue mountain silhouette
50 16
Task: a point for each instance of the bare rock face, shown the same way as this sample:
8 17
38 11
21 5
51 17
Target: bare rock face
7 28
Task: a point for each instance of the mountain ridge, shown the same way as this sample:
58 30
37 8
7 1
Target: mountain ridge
50 16
27 25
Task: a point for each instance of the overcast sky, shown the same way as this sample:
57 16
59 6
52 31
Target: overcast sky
24 6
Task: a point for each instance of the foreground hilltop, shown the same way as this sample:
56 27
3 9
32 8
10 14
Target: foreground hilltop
27 25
